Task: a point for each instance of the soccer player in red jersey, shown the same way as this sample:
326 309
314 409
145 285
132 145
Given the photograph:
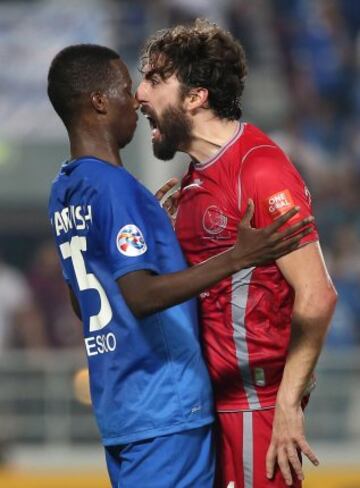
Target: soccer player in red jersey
263 328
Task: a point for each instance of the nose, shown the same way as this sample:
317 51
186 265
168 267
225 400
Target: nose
140 93
136 103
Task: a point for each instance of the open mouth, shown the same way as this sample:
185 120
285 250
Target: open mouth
155 132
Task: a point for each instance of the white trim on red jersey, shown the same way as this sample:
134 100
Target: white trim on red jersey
213 159
239 298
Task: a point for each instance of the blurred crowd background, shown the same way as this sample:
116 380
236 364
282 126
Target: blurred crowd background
303 89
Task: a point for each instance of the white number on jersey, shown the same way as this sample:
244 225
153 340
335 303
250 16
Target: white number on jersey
87 281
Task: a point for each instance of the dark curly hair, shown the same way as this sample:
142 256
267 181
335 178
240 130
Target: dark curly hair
201 55
76 71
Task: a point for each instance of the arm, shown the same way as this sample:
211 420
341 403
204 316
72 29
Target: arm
314 304
146 293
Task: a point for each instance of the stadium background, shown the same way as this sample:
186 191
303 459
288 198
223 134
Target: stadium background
303 88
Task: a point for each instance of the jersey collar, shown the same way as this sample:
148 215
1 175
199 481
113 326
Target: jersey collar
222 150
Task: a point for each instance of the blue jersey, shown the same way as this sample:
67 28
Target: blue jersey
147 376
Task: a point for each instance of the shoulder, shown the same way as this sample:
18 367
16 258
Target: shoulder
262 158
109 182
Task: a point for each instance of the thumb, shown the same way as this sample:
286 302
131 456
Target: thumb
249 213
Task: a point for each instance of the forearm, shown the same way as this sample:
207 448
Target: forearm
308 332
146 293
162 291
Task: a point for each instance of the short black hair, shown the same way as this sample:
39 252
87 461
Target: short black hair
75 71
204 55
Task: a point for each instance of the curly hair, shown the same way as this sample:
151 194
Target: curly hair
201 55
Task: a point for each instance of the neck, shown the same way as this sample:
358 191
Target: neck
209 135
94 141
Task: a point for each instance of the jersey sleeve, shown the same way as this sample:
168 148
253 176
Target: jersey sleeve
271 180
125 237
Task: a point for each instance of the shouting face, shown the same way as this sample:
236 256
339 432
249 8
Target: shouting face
161 103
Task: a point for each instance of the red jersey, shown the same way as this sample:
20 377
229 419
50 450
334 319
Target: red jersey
245 319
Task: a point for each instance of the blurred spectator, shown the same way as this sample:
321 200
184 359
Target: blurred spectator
21 324
319 55
63 329
185 11
344 265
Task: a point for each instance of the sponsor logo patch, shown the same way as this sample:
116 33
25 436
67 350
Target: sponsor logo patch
214 221
278 204
130 241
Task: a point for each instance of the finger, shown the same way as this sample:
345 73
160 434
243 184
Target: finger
282 220
284 467
165 188
295 227
174 199
294 460
270 462
308 452
288 243
249 212
172 202
280 254
291 244
284 247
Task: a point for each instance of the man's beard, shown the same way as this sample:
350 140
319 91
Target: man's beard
175 133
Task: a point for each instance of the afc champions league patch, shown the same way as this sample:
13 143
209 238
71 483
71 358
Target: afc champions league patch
214 220
130 241
278 204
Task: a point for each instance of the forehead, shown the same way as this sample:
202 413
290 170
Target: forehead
167 77
122 72
157 63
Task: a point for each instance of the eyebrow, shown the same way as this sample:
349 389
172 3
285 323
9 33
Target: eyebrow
152 72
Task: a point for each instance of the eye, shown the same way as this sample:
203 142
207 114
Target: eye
154 80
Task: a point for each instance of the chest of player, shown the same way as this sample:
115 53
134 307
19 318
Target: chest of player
207 217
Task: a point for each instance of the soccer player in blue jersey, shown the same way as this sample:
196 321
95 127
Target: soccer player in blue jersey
130 285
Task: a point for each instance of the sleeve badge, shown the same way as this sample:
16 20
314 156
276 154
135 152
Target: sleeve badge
130 241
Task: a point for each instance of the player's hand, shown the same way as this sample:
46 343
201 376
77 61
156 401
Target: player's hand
287 443
256 247
170 204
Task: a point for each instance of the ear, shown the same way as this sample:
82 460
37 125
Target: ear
196 98
99 102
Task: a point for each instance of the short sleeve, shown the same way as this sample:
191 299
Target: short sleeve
120 219
274 184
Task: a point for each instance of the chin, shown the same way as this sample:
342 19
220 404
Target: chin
126 141
163 152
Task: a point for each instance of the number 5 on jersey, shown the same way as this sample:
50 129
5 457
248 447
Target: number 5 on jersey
87 281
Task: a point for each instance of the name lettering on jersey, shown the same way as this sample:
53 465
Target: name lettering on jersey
73 217
100 344
214 220
278 204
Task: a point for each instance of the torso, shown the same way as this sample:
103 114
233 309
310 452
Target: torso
245 319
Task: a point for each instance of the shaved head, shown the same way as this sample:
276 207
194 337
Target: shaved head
79 70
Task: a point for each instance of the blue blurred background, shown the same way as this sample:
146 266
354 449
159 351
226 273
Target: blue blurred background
303 88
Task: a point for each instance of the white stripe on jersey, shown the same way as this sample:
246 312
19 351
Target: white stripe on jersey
239 297
248 461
